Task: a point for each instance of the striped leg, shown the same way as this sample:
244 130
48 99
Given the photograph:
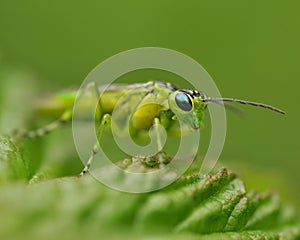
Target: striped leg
64 119
104 121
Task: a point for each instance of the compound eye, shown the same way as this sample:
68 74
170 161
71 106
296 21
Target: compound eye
184 102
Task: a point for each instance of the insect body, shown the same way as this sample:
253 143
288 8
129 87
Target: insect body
143 105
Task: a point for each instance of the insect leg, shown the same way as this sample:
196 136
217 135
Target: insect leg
157 133
161 155
104 121
65 118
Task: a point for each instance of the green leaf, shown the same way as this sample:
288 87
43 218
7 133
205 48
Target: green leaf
213 206
12 165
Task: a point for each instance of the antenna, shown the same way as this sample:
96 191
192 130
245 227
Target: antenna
256 104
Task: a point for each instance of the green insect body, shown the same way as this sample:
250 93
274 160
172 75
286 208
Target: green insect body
143 105
148 100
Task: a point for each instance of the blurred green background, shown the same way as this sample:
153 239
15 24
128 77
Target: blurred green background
250 48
